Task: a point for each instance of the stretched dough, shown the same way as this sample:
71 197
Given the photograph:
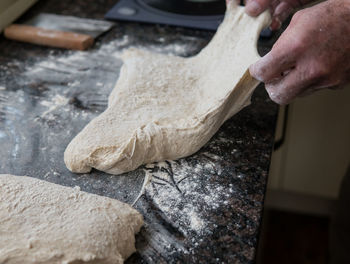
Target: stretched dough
168 107
41 222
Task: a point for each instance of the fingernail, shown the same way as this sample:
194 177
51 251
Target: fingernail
277 97
253 8
275 24
273 95
253 72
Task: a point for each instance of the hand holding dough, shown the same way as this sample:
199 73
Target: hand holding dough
168 107
41 222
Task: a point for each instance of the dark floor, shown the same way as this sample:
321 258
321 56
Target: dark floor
293 238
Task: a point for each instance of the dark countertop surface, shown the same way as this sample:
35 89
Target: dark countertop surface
206 208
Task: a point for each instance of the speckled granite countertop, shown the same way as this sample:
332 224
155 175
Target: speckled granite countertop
206 208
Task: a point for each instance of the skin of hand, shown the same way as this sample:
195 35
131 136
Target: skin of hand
312 53
280 9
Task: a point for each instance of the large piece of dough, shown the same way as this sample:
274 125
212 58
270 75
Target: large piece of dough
168 107
42 222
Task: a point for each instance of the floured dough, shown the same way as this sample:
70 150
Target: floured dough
168 107
41 222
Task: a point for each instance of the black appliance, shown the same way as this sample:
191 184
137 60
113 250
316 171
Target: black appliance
199 14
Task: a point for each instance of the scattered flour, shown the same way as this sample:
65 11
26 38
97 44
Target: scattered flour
184 193
56 102
71 69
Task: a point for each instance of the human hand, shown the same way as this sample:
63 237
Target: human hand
280 9
313 53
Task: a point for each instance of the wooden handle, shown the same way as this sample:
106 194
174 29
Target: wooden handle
46 37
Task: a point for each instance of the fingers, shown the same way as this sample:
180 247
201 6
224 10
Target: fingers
280 10
286 89
282 58
273 65
279 14
297 82
307 76
276 23
283 10
256 7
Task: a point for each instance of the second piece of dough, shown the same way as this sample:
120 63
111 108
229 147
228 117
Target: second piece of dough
168 107
42 222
